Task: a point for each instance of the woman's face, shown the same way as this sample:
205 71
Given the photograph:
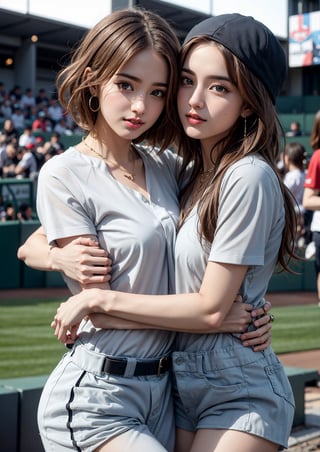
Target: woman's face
132 101
208 103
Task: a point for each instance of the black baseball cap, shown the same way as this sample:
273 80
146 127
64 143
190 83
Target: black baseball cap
252 42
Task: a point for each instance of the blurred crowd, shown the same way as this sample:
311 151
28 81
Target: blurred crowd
292 166
31 126
9 212
301 172
40 111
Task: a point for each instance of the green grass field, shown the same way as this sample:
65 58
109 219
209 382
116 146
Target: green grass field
27 343
296 328
28 346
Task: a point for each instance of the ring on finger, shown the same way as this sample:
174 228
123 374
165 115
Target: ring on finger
272 318
264 307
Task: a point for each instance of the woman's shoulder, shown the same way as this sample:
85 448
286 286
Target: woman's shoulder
251 170
294 174
251 165
70 159
166 159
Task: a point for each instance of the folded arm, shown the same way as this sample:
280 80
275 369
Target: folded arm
236 321
202 312
79 258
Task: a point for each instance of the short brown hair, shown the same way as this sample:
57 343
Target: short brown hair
110 44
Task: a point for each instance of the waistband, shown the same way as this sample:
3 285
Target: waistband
99 363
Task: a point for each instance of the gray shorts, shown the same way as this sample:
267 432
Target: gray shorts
80 409
234 388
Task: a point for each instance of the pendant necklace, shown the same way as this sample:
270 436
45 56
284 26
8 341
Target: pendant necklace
126 174
203 178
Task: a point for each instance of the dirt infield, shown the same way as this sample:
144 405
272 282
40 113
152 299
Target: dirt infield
292 298
276 298
306 446
36 294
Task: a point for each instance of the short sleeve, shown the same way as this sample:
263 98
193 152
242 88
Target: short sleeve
61 202
313 174
249 204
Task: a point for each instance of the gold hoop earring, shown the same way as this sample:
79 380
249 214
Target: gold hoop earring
94 104
245 128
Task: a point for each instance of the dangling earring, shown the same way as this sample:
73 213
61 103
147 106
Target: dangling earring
94 104
245 127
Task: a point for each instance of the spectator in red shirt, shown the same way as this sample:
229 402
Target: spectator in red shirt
311 198
40 123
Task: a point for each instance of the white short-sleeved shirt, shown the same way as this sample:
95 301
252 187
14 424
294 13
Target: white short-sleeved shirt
294 180
249 231
77 195
28 163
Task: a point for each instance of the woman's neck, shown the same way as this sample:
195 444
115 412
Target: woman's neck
207 159
292 167
114 150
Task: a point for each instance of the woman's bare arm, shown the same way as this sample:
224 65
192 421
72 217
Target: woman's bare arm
80 258
311 199
197 312
35 252
236 321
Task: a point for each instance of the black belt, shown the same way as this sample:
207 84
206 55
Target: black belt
117 366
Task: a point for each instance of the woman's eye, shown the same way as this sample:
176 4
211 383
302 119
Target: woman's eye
158 93
219 89
186 81
125 86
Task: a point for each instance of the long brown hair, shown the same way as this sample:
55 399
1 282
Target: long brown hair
315 133
263 130
109 45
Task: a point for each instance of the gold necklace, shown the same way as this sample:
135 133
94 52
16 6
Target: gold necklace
203 176
202 181
129 176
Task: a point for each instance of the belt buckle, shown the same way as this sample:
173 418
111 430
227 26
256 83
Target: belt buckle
160 365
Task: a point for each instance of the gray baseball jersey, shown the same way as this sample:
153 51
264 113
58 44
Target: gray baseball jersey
249 231
78 195
220 383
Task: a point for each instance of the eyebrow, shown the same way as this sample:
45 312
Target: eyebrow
137 79
212 77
